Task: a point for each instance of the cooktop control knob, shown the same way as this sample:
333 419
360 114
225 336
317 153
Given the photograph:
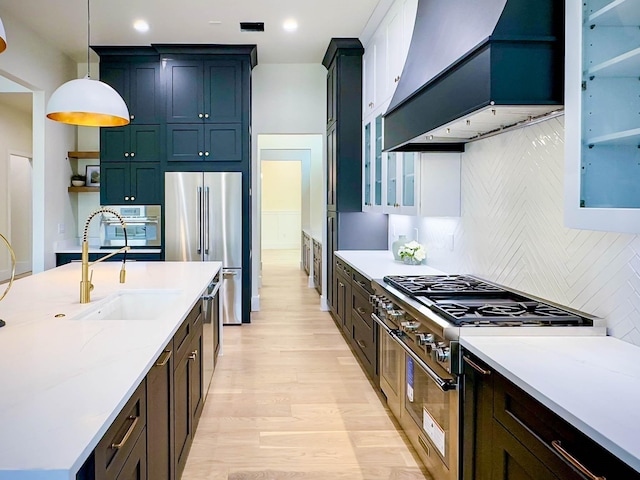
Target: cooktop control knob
426 339
409 326
396 315
441 353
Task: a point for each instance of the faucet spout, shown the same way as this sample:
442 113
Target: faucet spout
85 283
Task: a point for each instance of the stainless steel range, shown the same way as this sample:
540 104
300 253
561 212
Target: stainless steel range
421 319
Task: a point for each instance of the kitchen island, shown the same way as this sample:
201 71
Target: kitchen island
65 379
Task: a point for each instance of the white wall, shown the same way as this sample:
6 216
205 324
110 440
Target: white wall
32 62
288 112
511 231
15 138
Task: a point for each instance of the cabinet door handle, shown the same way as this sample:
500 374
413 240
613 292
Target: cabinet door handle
133 154
362 344
132 117
206 154
164 358
361 311
200 115
128 433
200 154
133 198
206 115
475 366
126 198
573 461
126 154
193 355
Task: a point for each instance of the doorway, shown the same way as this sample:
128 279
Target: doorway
21 211
281 205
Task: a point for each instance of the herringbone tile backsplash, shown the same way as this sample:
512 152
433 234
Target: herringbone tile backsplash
511 231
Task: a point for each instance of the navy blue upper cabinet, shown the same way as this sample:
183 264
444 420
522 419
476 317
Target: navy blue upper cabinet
139 85
203 91
135 142
124 183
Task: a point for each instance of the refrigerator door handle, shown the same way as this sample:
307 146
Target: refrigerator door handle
206 216
199 215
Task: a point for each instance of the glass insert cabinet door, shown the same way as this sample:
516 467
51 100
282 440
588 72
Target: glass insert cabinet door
367 165
602 92
377 196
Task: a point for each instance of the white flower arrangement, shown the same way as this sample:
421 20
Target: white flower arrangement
412 251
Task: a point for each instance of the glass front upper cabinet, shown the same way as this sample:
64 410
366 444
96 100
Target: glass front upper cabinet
602 96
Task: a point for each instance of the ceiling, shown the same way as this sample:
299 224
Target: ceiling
64 23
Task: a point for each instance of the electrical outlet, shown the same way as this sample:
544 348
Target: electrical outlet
61 228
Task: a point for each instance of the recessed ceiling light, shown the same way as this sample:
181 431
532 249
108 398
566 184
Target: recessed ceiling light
290 25
141 26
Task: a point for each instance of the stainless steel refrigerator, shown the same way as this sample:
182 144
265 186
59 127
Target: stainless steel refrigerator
203 223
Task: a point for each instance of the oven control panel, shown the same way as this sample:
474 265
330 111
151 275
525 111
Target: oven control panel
413 333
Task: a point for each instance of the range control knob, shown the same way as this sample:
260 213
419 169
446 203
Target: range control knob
410 326
397 316
426 339
441 353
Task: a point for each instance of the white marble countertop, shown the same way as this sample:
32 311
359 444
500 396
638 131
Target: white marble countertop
378 263
591 382
63 381
107 250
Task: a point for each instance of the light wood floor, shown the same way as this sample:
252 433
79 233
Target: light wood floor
289 400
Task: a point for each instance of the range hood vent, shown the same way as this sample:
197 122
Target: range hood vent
476 68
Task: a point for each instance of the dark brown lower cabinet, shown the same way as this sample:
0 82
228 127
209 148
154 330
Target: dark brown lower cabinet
113 450
135 468
189 391
160 420
151 436
509 435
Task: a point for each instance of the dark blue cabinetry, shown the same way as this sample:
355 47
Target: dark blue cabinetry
141 143
124 183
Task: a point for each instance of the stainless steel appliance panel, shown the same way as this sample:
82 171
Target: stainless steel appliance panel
183 203
210 331
223 213
231 296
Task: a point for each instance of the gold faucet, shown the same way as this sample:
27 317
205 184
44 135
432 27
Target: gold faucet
85 284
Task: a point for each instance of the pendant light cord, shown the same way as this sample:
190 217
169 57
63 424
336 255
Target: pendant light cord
88 37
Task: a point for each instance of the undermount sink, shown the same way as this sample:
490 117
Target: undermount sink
131 305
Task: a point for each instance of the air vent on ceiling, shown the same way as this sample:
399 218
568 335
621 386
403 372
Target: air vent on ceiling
252 26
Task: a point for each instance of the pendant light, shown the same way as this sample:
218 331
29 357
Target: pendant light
3 38
87 102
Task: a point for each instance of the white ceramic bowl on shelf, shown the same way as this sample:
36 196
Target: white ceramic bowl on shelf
77 183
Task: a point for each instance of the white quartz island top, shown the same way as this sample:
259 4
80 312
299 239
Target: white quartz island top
64 380
592 382
378 263
105 251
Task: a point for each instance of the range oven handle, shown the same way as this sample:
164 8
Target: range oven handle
444 384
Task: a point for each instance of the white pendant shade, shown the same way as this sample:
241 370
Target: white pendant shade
89 103
3 38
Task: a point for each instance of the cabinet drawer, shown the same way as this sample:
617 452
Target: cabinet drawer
362 284
361 306
114 448
182 338
538 428
365 347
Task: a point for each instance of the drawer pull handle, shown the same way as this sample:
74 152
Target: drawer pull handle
194 355
130 430
362 344
475 366
362 284
573 461
163 360
361 311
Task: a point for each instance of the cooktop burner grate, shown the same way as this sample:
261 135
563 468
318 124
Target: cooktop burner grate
422 285
519 313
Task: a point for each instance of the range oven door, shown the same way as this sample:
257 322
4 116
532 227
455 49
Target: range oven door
430 416
391 358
